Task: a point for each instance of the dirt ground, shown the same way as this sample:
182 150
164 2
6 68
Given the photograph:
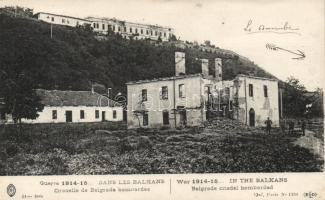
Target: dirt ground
314 144
108 148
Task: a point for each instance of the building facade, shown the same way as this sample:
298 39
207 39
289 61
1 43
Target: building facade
171 102
131 29
189 100
257 100
104 25
74 107
61 19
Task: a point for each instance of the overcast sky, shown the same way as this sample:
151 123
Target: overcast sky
222 22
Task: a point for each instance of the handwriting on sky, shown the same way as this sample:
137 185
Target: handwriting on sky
284 28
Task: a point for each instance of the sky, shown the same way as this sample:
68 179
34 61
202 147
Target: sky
223 23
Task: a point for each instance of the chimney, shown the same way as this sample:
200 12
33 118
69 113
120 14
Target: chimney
108 92
205 67
92 89
218 69
179 63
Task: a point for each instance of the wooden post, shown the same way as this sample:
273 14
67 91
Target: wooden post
51 31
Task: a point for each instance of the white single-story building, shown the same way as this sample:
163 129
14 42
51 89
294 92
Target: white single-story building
61 19
74 106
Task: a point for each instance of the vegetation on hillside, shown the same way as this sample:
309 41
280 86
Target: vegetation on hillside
73 58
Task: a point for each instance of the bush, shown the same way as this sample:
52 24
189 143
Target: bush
12 150
57 166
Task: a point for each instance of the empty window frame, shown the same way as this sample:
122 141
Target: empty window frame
227 91
250 90
164 92
145 119
265 91
114 114
165 117
144 95
54 114
181 89
230 105
82 114
96 114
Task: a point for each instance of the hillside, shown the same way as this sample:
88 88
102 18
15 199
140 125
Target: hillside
74 58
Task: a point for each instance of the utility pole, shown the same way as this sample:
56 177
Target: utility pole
281 104
51 31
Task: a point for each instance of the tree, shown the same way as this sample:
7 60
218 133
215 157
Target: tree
17 11
294 99
20 99
315 108
207 43
159 39
173 38
85 27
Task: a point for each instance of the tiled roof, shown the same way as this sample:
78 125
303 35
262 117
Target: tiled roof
73 98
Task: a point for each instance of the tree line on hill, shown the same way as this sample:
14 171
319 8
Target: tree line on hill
73 59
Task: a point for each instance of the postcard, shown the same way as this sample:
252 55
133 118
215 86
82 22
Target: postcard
162 99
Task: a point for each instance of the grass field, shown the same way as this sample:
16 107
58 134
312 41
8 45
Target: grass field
108 148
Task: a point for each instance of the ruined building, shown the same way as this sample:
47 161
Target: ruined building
190 99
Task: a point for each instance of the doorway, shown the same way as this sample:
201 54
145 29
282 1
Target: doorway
68 116
251 117
182 117
103 116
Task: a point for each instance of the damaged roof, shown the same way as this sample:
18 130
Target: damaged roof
164 79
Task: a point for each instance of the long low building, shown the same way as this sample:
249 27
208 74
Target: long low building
61 19
131 29
74 106
104 25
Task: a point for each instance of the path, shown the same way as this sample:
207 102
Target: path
312 143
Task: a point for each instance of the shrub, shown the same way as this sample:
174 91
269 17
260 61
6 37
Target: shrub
12 150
